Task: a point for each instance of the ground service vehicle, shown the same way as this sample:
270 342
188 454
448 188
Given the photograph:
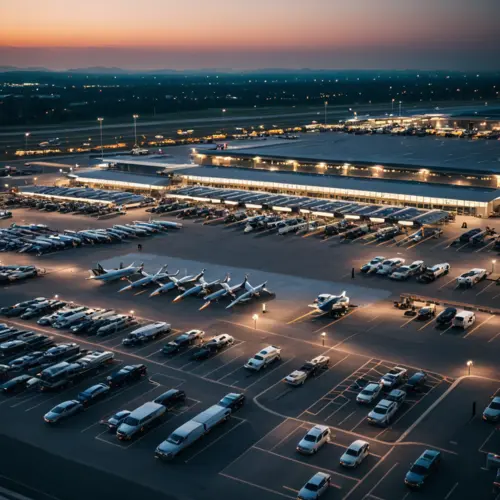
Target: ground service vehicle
464 319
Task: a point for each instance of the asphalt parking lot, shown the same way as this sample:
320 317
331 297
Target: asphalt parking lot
254 453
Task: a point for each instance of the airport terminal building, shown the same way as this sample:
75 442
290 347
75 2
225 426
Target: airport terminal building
455 175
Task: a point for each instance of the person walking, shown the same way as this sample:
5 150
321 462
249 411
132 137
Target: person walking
139 247
352 273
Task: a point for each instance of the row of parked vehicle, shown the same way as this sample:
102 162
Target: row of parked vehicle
40 239
9 274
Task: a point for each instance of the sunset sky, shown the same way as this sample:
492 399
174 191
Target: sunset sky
243 34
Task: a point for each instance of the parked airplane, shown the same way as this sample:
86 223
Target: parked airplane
326 303
224 291
202 287
148 279
116 274
177 283
251 292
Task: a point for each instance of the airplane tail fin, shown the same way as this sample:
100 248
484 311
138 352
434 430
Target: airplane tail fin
343 294
227 279
121 265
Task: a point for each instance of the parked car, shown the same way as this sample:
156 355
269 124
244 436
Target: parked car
315 438
126 374
417 381
425 465
426 312
233 401
492 412
115 420
171 398
183 341
394 377
93 393
15 385
355 454
62 411
383 413
370 393
446 317
315 487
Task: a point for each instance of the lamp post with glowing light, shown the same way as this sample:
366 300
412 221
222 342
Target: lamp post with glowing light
326 110
323 335
469 364
493 262
26 135
100 120
131 312
135 129
392 106
255 317
400 102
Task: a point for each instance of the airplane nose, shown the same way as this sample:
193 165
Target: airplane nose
204 306
155 293
177 299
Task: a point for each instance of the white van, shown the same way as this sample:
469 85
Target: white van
464 319
140 419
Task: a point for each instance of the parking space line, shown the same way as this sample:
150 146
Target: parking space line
493 338
230 373
222 352
451 491
489 318
18 496
338 409
263 488
348 416
242 421
409 321
99 438
269 373
485 288
152 354
287 436
335 321
382 479
427 324
290 489
444 331
145 346
447 283
339 474
485 441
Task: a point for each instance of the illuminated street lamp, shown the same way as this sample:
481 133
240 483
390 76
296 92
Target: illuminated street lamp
100 120
392 106
493 262
323 335
400 102
469 364
26 135
132 312
135 129
326 107
35 179
255 317
56 296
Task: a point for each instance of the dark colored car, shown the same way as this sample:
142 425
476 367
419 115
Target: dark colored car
204 352
427 312
426 464
446 316
170 398
233 401
183 341
417 381
36 339
12 347
18 309
17 384
93 393
127 374
115 420
26 361
5 372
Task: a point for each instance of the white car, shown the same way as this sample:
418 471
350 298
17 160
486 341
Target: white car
383 413
307 370
405 272
470 278
355 454
315 438
220 341
389 266
492 412
369 394
264 358
372 266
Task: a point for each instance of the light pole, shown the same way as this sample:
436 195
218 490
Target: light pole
132 312
326 108
255 317
392 106
26 135
135 130
323 335
400 102
493 262
469 364
100 120
35 179
223 115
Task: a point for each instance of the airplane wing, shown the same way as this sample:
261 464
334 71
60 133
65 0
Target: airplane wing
239 299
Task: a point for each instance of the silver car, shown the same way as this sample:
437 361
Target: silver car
62 411
369 393
315 487
492 412
314 440
355 454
